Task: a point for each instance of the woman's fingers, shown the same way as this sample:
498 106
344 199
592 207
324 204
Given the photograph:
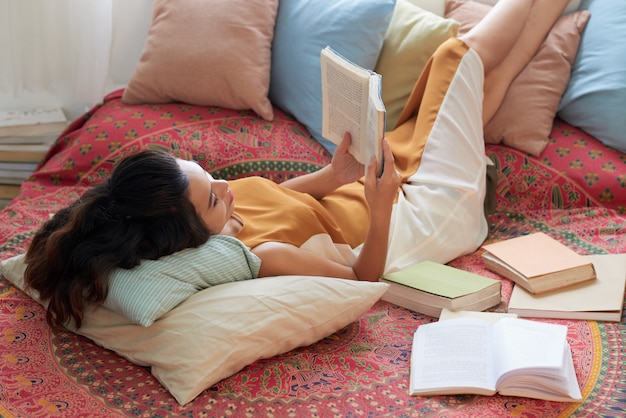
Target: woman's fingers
383 188
390 172
345 143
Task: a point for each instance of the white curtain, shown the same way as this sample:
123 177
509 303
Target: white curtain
91 51
46 44
68 52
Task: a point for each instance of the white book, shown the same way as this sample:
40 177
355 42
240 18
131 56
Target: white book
15 174
47 139
447 314
9 191
32 122
30 153
352 102
18 166
4 202
513 357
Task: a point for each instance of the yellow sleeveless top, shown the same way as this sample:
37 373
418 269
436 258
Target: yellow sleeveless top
273 213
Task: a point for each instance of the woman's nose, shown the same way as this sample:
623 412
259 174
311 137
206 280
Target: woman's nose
220 187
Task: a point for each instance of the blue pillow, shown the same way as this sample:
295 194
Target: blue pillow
355 29
595 98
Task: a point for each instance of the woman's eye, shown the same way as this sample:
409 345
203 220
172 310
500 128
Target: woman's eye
214 199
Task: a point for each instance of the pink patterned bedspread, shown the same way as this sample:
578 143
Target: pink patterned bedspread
576 192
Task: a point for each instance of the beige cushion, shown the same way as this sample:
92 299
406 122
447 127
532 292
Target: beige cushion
524 120
207 52
435 6
220 330
412 37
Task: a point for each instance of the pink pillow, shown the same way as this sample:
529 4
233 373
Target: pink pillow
524 120
210 53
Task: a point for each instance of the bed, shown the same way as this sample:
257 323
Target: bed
574 190
363 367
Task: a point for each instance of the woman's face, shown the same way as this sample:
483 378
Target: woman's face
213 200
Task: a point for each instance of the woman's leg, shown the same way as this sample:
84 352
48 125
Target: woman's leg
438 142
439 150
507 39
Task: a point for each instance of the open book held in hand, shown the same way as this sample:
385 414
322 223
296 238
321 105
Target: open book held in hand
538 263
512 357
427 287
352 102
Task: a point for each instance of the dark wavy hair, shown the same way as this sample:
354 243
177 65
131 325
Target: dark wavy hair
142 211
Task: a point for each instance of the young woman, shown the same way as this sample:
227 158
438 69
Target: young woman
427 204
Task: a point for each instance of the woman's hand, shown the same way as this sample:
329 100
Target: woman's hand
381 192
346 168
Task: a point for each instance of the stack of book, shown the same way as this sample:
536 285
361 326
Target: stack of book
487 353
553 281
25 136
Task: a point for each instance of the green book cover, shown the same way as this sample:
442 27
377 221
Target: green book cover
440 279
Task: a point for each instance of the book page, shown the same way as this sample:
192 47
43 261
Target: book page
452 354
345 90
561 387
492 317
344 103
376 124
530 346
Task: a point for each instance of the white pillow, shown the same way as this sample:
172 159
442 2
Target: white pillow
220 330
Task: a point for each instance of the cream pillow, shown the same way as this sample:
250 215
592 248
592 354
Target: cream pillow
207 52
435 6
412 37
220 330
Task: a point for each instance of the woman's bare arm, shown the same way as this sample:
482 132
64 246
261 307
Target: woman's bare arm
279 259
380 193
283 259
343 169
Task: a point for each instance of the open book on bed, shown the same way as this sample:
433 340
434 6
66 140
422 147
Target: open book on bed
513 357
